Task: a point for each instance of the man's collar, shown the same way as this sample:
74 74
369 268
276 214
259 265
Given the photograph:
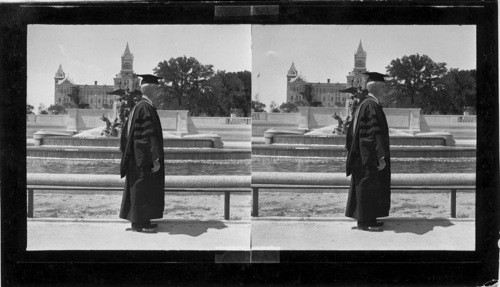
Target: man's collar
373 97
146 99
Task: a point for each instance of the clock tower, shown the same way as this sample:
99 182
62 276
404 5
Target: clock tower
125 79
355 78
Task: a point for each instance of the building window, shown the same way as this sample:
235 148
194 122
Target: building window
91 101
99 101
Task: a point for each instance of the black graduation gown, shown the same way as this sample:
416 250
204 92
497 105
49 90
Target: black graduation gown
143 195
370 192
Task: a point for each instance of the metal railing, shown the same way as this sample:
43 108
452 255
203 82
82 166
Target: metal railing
338 182
104 183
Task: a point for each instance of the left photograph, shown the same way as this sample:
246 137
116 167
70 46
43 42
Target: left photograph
138 137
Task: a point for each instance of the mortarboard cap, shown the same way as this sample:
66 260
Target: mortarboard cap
149 79
118 92
375 77
350 90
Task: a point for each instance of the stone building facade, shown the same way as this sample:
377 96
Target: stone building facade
95 95
327 93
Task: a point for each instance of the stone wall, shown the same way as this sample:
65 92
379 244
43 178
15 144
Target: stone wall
55 120
263 121
228 128
173 121
80 120
310 118
460 126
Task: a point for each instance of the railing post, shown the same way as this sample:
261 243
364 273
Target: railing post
30 202
453 203
227 198
255 201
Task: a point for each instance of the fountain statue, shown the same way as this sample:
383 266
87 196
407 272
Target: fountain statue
122 106
352 104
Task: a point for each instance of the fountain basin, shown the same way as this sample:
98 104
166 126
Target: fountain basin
168 142
40 136
318 150
340 140
271 133
90 152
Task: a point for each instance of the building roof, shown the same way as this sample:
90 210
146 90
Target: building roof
60 72
297 79
65 81
292 70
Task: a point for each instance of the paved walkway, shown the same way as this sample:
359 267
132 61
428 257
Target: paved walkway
58 234
336 234
263 233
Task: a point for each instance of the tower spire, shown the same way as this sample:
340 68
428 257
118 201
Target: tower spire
360 48
60 72
127 51
292 71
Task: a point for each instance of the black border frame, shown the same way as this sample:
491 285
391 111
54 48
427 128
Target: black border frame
298 267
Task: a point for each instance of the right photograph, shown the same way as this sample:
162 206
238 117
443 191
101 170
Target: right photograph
363 137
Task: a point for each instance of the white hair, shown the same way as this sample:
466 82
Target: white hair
149 90
375 87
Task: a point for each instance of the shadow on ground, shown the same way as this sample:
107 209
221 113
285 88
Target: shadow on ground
420 227
192 228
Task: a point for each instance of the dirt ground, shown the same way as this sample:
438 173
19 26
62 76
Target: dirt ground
107 206
271 203
321 204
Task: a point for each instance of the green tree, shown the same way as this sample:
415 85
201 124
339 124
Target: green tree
56 109
258 106
184 79
74 95
208 102
462 90
233 93
414 79
454 93
289 108
316 104
29 109
244 102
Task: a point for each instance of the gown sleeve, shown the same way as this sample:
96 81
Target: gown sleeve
371 129
146 147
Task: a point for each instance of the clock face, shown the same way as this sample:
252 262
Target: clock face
127 66
360 63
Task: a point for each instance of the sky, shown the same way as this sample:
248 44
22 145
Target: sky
91 53
322 52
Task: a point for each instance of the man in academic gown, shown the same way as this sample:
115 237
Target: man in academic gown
143 161
368 160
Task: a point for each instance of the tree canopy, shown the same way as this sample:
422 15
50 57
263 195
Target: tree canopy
56 109
419 82
258 106
196 87
29 109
